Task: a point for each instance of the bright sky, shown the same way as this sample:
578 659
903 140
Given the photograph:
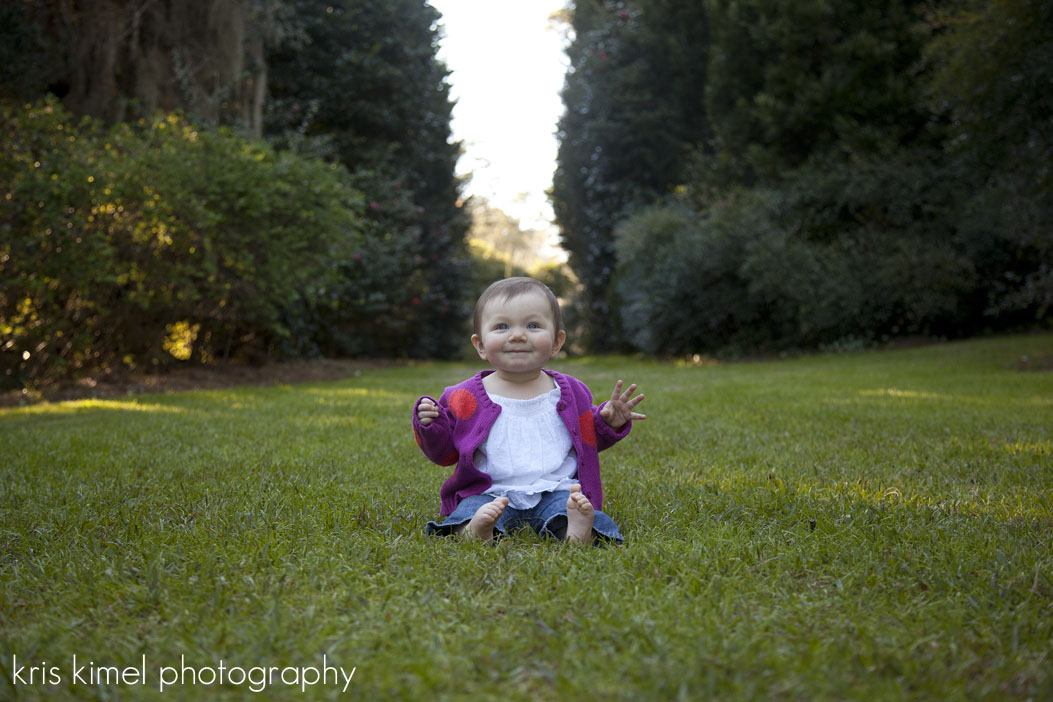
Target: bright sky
507 66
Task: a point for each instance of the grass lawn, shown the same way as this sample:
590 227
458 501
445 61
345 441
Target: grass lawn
861 526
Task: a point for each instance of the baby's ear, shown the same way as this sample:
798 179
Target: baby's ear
479 348
561 336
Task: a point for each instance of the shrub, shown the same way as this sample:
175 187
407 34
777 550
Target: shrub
839 253
677 278
157 242
401 291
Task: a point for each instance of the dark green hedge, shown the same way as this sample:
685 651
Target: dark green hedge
847 255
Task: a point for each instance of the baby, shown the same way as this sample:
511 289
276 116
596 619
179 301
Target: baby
525 440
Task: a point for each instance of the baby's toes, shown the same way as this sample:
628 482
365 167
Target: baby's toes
579 503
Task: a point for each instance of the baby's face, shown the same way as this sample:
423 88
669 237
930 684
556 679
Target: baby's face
518 335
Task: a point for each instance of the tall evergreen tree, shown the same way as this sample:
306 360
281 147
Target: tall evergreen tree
791 82
852 169
634 113
991 68
363 86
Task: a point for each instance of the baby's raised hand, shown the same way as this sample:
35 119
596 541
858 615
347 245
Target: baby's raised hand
619 409
427 411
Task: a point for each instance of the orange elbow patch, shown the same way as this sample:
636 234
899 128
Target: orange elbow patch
588 431
451 459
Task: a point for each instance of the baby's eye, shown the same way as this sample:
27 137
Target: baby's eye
501 327
533 325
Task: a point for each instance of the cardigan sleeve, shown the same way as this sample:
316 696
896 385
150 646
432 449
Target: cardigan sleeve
605 435
436 439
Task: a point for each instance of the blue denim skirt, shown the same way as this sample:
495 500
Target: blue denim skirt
548 517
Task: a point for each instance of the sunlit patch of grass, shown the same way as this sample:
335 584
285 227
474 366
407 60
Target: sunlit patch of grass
957 399
343 393
1018 448
852 526
910 394
74 406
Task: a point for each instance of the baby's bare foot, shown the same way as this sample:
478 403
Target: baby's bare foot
481 525
580 516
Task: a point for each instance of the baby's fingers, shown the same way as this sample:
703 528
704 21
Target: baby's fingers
427 410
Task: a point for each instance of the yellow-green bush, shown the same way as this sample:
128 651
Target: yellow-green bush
155 242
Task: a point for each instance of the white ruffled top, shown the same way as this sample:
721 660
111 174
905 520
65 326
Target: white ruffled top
528 450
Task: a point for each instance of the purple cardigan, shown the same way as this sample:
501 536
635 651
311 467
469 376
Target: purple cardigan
467 414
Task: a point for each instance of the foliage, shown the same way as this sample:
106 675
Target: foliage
846 255
790 82
871 526
140 244
681 287
228 248
634 114
377 102
122 61
991 66
853 171
28 59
